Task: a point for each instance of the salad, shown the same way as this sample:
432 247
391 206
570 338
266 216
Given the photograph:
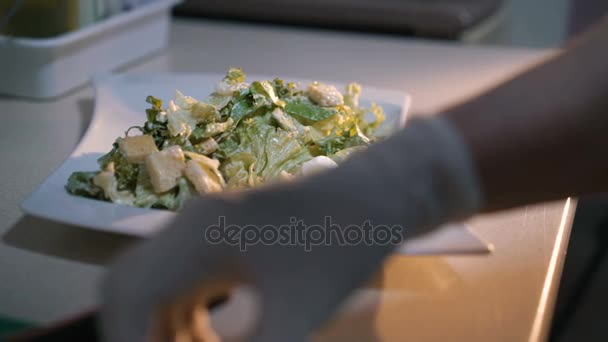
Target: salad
241 136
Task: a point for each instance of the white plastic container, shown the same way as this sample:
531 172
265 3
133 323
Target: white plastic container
45 68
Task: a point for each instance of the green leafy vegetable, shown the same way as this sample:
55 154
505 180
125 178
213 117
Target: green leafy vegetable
284 121
256 133
241 107
216 128
263 92
126 173
205 112
145 197
104 160
181 141
235 75
219 101
81 184
303 108
257 152
245 105
286 90
157 104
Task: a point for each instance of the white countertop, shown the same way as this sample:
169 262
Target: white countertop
49 270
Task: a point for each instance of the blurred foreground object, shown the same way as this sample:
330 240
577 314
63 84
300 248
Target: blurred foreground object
61 57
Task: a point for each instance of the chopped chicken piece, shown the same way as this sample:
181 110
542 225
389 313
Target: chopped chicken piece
204 179
325 95
135 149
165 168
207 147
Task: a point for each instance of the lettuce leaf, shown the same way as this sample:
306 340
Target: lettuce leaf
260 97
232 83
81 184
351 95
215 128
286 90
264 93
302 107
257 152
243 106
282 152
332 144
235 75
239 171
157 105
106 180
204 112
125 172
145 197
175 199
219 101
181 141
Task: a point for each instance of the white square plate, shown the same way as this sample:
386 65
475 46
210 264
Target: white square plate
120 103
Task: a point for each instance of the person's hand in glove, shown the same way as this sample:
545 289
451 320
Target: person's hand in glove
503 149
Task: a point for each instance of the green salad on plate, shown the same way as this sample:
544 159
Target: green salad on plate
241 136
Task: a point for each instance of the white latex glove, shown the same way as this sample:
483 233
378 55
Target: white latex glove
418 179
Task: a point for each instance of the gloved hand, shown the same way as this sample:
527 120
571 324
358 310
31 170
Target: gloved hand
417 179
